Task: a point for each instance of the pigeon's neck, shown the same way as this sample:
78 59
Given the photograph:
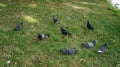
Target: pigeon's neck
94 42
105 45
88 22
21 23
61 28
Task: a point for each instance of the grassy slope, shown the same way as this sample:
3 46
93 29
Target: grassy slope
23 48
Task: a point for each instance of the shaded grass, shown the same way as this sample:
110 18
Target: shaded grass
23 48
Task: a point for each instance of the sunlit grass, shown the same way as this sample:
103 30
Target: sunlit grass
30 19
2 5
33 5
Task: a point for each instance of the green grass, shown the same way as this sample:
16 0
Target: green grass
24 49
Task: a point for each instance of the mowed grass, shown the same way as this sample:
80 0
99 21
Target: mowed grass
24 49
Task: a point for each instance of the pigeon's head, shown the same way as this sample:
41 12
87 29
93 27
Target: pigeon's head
53 16
88 22
94 42
39 36
105 44
82 44
61 27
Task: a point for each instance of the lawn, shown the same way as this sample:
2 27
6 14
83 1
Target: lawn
23 49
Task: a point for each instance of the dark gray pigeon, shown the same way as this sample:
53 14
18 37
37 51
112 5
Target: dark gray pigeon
43 36
89 26
55 20
102 49
19 26
68 51
64 32
89 44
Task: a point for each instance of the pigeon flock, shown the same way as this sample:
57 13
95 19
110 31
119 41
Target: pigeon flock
65 32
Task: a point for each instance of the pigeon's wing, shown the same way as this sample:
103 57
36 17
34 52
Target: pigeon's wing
18 27
90 45
71 51
69 33
64 31
103 48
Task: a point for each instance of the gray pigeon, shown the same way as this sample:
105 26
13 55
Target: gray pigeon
68 51
89 26
19 26
89 44
64 32
55 20
43 36
102 49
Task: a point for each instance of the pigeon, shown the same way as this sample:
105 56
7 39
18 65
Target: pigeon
89 26
55 20
68 51
64 32
89 44
19 26
43 36
102 49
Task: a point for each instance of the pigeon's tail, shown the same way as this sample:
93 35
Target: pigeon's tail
76 51
69 34
63 51
92 28
15 29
